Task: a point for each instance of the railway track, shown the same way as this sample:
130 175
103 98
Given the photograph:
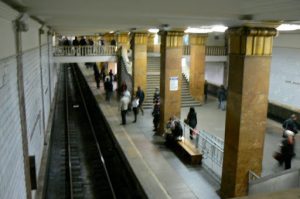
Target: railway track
95 166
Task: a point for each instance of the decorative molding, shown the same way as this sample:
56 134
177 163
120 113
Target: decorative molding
198 39
123 38
249 41
173 38
140 38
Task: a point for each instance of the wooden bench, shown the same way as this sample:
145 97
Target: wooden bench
186 148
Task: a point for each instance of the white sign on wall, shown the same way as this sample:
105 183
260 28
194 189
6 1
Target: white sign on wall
173 83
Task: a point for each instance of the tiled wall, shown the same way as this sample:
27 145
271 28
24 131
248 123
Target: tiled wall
37 69
33 103
12 183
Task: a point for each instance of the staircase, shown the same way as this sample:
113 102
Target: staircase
186 98
153 81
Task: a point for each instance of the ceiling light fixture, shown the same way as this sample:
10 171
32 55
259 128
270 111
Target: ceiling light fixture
288 27
206 29
153 30
219 28
198 30
111 32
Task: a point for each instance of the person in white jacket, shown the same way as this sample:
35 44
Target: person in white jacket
135 105
124 102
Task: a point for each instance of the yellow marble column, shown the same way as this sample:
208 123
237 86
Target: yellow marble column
123 40
250 51
197 65
150 43
139 72
108 37
170 76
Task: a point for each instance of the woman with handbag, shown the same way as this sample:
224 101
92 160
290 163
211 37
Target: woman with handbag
191 120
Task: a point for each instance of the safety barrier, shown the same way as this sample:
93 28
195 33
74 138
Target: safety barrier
211 147
95 50
209 50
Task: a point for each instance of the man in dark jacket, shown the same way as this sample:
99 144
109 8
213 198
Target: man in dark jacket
141 95
287 149
222 96
290 124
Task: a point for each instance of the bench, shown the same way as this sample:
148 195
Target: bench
186 148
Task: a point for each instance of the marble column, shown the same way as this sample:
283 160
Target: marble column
250 51
170 76
139 70
150 43
123 40
108 37
197 66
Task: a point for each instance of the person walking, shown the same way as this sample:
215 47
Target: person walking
222 95
141 95
96 74
191 120
135 105
108 86
124 102
156 95
205 90
156 115
287 149
291 124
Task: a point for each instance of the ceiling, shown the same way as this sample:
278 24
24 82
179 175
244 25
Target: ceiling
86 17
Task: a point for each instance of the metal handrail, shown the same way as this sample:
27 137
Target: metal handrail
252 176
211 147
209 50
94 50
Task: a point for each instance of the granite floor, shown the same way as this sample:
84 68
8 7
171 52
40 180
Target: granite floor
172 176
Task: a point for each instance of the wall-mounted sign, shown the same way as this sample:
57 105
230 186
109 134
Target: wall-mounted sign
173 83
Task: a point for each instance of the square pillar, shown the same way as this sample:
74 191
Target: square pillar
250 51
150 43
197 66
123 40
170 76
139 61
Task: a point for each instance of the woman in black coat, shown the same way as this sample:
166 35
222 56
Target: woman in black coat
192 120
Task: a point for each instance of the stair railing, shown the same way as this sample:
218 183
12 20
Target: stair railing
123 74
211 147
284 180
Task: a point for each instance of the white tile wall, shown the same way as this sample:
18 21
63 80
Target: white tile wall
285 77
45 71
12 180
33 103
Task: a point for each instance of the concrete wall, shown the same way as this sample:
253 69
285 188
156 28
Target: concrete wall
40 76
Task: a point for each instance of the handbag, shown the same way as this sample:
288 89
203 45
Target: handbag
278 156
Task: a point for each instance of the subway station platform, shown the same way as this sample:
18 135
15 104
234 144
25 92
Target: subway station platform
161 173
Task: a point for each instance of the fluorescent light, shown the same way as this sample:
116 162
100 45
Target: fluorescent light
198 30
219 28
288 27
153 30
206 29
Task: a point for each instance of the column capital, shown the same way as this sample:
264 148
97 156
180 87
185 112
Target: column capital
198 38
140 38
173 38
123 37
251 41
252 31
